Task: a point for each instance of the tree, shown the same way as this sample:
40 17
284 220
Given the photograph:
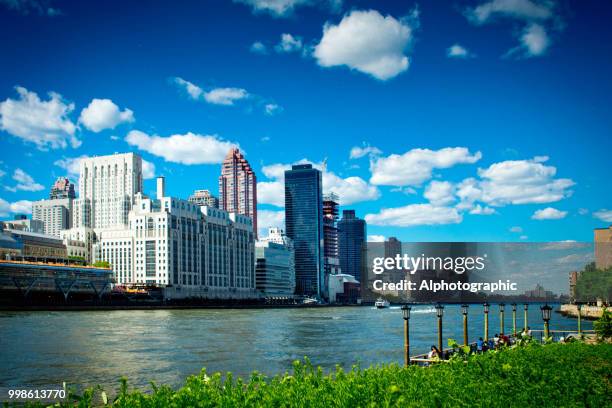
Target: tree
593 284
102 264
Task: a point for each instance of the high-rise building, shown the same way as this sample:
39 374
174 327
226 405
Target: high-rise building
275 270
352 238
54 214
331 261
238 186
62 188
107 190
603 247
203 198
304 224
195 251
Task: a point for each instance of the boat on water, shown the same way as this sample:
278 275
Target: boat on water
382 303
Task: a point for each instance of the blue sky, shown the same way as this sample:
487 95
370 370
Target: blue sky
474 120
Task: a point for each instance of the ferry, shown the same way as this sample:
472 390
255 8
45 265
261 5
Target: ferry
382 303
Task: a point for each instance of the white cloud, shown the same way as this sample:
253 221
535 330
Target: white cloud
103 114
283 8
258 48
194 91
376 238
604 215
517 9
72 165
289 43
189 148
523 237
535 40
514 182
440 193
479 210
416 166
367 42
358 152
272 109
148 170
225 96
350 189
583 211
516 229
271 192
549 213
17 207
44 123
267 219
415 214
458 51
25 182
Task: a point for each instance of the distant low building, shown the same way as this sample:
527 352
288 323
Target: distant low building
31 246
275 265
79 242
25 224
539 293
343 288
603 247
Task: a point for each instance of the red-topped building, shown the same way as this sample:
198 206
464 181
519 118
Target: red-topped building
238 186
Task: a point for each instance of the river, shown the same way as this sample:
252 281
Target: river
98 347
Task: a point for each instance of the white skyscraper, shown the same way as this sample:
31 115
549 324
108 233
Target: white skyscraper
107 188
190 250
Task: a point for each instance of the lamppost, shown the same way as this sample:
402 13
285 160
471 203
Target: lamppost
464 310
525 307
406 316
486 320
502 308
546 317
579 307
439 313
514 319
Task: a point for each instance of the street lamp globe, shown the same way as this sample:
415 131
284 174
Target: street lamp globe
526 306
486 307
406 311
502 307
464 309
514 307
439 310
546 310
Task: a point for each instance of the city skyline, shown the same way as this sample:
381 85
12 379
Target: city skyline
431 159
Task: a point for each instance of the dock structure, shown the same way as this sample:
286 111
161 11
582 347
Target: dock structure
23 280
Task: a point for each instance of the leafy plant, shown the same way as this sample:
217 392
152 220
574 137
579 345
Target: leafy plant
603 325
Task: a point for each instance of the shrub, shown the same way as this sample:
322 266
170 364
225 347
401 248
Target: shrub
603 325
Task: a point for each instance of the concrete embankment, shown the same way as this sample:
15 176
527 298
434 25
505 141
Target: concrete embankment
587 312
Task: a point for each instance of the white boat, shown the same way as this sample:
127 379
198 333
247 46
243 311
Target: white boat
382 303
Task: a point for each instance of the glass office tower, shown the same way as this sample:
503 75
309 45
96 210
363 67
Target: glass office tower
351 239
304 225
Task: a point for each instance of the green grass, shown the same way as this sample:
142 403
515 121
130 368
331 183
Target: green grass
555 375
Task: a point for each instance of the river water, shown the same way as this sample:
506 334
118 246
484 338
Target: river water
165 346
